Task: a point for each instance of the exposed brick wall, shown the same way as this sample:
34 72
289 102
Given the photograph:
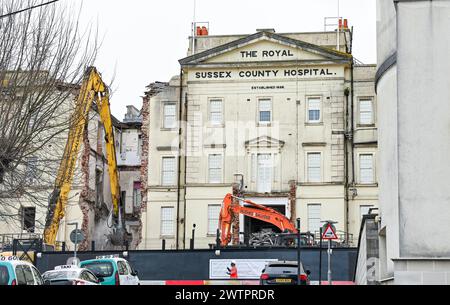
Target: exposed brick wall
154 89
145 146
293 199
144 160
87 195
235 220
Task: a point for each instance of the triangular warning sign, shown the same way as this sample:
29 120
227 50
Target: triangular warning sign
329 233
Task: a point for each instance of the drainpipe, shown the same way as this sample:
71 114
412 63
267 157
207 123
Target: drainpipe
180 111
352 113
185 167
346 143
352 130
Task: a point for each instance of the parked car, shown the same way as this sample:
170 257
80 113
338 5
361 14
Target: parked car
70 275
284 273
113 270
16 272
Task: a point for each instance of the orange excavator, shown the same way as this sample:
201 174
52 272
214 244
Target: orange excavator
257 211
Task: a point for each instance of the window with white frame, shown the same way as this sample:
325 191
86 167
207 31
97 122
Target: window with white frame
253 168
265 111
365 111
216 111
276 167
168 170
364 209
98 186
314 115
31 170
167 221
366 174
169 115
215 168
137 199
314 217
265 173
314 161
213 218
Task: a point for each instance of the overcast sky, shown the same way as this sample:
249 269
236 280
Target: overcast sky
144 39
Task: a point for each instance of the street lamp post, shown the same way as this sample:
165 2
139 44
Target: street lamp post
76 239
299 268
320 258
193 237
329 262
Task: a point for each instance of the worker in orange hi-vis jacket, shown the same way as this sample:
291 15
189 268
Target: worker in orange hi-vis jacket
232 272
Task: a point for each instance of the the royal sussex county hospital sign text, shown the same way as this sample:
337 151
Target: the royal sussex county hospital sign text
267 73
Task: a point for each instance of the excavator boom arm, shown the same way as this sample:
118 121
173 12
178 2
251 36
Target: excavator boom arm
277 220
92 89
105 115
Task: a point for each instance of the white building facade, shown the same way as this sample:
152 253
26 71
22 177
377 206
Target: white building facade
413 90
285 120
129 145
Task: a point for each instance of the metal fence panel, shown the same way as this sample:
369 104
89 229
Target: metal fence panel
194 265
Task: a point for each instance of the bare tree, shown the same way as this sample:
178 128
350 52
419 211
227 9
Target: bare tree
43 55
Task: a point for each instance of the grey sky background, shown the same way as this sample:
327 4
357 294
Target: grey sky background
144 39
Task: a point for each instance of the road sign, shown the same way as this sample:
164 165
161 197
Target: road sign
79 236
329 233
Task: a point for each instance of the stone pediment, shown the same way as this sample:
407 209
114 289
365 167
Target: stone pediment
265 47
264 142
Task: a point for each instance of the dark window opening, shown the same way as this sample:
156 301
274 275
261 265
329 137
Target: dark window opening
28 215
98 187
123 200
2 173
4 275
252 225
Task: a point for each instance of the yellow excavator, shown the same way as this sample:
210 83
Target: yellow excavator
93 89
